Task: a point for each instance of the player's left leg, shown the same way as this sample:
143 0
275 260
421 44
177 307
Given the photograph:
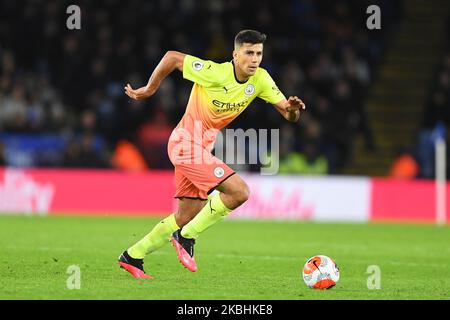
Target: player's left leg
233 193
188 208
199 177
214 174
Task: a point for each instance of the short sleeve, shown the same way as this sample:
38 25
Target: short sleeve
269 90
204 72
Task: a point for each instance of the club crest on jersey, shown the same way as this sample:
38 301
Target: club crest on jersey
219 172
249 89
197 65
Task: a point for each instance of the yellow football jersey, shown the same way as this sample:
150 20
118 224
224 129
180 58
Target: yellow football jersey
217 97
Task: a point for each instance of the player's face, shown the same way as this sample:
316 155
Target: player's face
248 57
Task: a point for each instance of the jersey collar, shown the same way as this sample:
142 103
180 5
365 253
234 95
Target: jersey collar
234 73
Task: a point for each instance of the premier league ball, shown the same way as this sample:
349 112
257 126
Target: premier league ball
320 272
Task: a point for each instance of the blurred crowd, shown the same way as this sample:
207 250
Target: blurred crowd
70 82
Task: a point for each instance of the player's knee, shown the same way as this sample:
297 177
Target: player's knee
242 194
182 219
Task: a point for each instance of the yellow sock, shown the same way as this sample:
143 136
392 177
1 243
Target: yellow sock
159 236
214 211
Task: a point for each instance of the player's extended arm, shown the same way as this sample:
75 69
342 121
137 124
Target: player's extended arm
290 108
172 60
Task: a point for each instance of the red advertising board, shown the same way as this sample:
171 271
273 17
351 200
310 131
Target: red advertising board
399 200
86 192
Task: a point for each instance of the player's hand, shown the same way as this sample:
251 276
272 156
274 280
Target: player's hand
295 103
137 94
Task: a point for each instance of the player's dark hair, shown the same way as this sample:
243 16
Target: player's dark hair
249 36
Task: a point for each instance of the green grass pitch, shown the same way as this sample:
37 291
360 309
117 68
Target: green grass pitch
244 260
